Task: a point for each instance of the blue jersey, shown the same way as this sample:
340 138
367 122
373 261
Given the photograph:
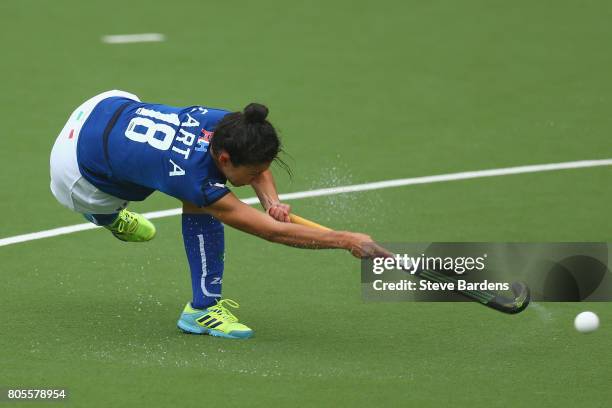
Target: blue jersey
129 149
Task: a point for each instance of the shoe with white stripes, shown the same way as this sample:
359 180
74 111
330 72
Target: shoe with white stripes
216 320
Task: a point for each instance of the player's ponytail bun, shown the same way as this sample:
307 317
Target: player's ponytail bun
245 143
255 113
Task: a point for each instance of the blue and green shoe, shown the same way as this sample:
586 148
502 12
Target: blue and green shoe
216 320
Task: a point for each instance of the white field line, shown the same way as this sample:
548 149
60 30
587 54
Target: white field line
133 38
340 190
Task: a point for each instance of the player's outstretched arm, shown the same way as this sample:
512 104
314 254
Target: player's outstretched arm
233 212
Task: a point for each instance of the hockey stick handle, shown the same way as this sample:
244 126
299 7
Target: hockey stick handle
296 219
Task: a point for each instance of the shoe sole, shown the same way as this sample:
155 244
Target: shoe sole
211 332
127 240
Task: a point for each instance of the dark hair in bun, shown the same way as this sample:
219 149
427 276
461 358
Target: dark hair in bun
248 137
255 113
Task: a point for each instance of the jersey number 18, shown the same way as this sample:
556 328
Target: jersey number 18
136 125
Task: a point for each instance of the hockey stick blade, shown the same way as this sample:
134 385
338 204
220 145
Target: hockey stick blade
504 304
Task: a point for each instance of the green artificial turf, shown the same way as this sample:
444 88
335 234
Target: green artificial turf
361 91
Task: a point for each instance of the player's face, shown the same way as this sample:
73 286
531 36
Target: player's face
243 175
239 175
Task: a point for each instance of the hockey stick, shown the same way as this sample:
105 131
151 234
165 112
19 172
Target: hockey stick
504 304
